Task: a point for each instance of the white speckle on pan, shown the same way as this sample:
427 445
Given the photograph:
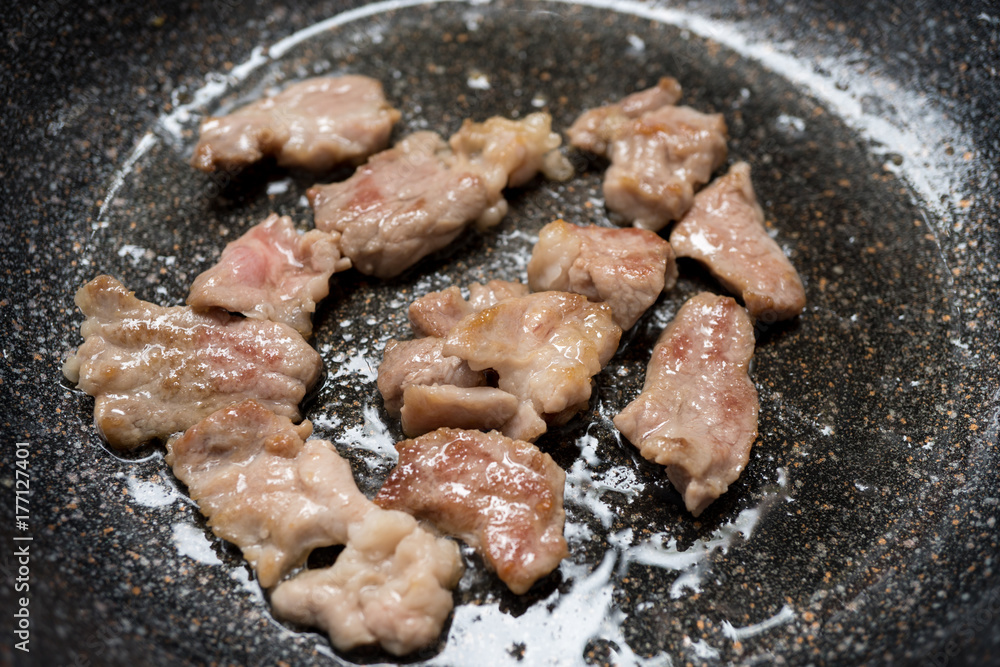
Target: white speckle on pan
192 542
478 81
635 44
151 494
242 576
133 252
702 649
279 187
738 634
787 123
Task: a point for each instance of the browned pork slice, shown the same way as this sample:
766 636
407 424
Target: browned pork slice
272 273
417 197
314 124
625 268
544 347
402 205
154 371
659 156
390 585
725 230
435 314
697 413
420 362
430 407
503 497
265 488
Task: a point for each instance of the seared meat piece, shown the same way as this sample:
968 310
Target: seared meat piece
697 413
402 205
725 230
436 313
503 497
265 489
314 124
272 273
278 497
596 128
429 407
625 268
417 197
508 153
659 155
391 585
420 362
545 348
155 371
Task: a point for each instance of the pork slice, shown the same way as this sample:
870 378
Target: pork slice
657 165
596 128
265 489
509 153
154 371
420 362
435 314
725 230
313 124
404 204
390 585
544 347
660 153
430 407
278 497
501 496
697 413
625 268
272 273
417 197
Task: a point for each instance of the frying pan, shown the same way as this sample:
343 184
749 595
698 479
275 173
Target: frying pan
864 529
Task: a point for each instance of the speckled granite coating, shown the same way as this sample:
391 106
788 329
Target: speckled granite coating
864 529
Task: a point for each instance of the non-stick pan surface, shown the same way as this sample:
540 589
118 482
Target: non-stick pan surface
863 529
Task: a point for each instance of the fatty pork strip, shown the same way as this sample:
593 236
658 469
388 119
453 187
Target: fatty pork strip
545 348
660 153
277 496
697 413
154 371
266 489
625 268
418 196
435 314
314 124
429 390
429 407
503 497
420 362
391 585
725 230
272 273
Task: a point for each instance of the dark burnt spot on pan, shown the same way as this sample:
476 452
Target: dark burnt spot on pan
855 456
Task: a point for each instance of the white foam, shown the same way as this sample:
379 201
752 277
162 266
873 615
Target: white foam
152 494
192 542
